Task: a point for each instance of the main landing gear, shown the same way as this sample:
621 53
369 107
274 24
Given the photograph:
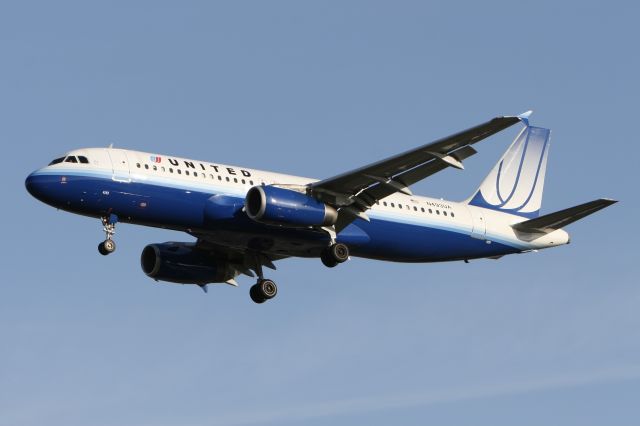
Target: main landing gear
334 254
108 246
264 289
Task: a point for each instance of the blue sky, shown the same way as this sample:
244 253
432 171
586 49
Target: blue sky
316 89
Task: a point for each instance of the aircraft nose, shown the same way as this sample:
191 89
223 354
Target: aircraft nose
35 185
30 183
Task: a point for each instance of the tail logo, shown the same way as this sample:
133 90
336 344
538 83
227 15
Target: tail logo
515 184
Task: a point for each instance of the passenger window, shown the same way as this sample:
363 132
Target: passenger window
195 174
179 171
71 159
444 212
235 180
219 177
250 182
243 182
163 169
83 159
138 165
393 205
186 172
438 212
227 178
56 161
452 215
400 206
415 209
384 203
170 169
430 211
422 209
155 168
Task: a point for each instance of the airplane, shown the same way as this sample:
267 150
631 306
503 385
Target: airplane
245 219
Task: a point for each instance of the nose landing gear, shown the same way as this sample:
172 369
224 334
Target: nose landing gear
108 246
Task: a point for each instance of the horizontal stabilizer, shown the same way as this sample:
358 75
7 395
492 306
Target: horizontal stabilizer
552 221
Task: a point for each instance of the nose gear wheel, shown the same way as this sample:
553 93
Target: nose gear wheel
108 246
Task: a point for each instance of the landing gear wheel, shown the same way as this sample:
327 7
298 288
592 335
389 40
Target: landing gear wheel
268 288
327 259
102 250
107 247
339 252
254 294
263 290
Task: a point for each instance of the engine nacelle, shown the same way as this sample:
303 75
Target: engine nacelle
274 205
182 263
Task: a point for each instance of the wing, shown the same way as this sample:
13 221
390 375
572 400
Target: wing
356 191
243 260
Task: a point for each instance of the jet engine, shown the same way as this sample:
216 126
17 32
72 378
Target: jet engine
285 207
182 263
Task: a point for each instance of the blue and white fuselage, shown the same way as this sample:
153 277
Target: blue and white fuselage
209 201
402 228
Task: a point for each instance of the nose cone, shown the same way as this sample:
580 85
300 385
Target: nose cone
32 184
39 186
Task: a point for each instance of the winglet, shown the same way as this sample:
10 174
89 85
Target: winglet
524 117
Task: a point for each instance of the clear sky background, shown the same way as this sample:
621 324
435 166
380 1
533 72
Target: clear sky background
317 89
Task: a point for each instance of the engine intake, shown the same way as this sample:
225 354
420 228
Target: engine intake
182 263
275 205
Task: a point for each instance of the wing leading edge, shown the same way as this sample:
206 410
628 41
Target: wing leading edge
356 191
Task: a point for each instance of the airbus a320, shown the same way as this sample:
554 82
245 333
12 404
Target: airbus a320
244 220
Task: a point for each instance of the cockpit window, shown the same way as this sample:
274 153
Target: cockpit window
71 159
57 161
83 159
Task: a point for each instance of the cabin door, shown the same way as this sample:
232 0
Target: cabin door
479 227
120 165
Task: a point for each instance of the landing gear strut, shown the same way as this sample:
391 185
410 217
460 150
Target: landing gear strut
334 254
264 289
108 246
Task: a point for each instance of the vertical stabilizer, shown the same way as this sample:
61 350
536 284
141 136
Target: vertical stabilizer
515 184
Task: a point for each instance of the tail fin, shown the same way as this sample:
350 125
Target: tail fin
515 184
